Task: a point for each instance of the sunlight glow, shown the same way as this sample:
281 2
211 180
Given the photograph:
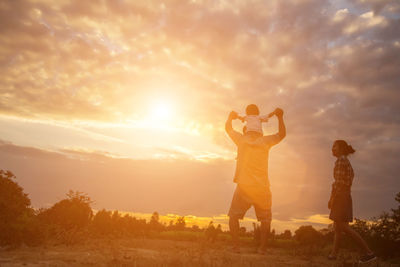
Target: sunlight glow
161 111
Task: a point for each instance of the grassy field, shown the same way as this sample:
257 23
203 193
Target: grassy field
162 252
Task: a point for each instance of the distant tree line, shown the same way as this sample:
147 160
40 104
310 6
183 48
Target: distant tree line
72 220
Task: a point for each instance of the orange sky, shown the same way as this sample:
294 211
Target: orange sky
99 87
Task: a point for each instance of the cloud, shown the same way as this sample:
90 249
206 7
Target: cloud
377 6
83 67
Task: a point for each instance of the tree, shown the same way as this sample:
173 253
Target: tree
133 226
155 224
396 217
13 201
180 223
155 217
14 209
286 235
210 231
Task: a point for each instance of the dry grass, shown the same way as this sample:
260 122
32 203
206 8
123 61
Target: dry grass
151 252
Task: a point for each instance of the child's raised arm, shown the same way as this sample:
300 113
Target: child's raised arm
271 114
240 118
264 118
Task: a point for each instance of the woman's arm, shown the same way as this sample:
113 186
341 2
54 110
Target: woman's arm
334 184
332 197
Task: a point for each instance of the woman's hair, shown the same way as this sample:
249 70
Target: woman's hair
252 109
344 148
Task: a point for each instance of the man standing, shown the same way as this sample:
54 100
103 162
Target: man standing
251 177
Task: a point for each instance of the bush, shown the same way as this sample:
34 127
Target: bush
71 213
33 231
307 235
107 223
212 232
68 219
382 233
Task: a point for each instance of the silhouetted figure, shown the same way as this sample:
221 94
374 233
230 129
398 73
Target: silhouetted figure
340 202
251 177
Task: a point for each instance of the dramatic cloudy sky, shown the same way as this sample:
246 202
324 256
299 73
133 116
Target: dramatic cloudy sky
127 100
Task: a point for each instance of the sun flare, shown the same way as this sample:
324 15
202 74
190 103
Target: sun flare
161 111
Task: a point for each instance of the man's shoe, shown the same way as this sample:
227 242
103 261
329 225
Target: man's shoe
367 258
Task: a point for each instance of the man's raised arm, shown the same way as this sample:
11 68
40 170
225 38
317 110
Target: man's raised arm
276 138
282 127
234 135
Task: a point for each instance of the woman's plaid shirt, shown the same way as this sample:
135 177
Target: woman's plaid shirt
343 174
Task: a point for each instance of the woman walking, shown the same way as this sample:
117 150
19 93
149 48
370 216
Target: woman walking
340 202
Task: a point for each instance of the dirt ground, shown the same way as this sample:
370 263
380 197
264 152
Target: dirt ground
145 252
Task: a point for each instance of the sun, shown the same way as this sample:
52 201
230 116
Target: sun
161 110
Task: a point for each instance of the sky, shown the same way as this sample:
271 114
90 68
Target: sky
127 100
